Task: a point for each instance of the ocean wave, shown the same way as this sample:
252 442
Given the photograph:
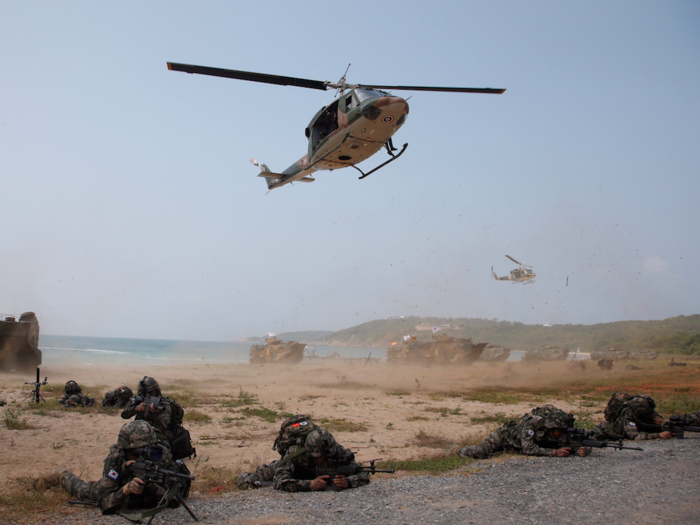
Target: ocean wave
91 350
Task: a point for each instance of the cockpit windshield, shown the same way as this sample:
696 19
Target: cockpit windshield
364 94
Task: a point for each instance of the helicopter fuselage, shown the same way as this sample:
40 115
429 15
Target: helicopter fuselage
351 129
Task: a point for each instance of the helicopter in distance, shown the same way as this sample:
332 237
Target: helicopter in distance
522 274
357 124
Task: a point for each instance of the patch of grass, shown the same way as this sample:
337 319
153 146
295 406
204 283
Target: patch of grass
194 416
187 399
444 411
342 425
499 417
496 396
229 420
677 403
308 397
416 418
423 439
399 392
347 385
20 502
244 398
427 465
212 481
584 420
13 420
263 413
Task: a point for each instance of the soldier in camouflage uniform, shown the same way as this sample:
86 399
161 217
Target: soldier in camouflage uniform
523 436
117 484
166 418
639 409
693 418
74 396
118 397
296 471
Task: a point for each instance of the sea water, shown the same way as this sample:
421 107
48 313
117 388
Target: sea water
61 349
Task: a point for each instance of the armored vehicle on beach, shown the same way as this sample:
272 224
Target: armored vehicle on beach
547 353
442 349
495 354
277 351
19 342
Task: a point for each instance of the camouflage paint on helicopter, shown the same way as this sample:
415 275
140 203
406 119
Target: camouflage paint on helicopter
522 274
349 130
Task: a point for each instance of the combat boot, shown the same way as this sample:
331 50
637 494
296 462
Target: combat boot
50 480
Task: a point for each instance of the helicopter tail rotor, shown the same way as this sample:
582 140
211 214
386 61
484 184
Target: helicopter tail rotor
270 177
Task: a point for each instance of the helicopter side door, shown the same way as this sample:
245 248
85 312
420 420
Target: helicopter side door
325 123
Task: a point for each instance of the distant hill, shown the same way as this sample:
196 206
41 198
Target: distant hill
676 334
310 336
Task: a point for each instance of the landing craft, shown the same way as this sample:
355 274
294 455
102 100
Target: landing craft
356 125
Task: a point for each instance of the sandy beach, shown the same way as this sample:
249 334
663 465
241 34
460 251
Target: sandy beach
377 410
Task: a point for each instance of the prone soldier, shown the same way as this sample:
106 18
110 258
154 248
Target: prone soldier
74 396
309 465
119 488
623 416
529 435
119 397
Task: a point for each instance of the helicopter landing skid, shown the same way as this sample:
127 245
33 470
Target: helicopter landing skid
392 159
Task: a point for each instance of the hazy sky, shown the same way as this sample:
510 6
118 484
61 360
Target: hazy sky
130 209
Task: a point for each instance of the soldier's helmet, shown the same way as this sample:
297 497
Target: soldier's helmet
148 385
72 388
123 392
136 434
557 419
320 443
642 407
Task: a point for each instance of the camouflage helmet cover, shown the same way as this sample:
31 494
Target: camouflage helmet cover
72 387
556 419
136 434
642 407
148 385
320 443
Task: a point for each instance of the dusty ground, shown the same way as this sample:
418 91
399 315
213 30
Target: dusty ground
389 405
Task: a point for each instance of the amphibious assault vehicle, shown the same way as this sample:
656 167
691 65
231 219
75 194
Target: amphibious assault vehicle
277 351
441 350
495 354
547 353
19 342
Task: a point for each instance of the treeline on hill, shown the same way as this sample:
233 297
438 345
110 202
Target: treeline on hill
679 335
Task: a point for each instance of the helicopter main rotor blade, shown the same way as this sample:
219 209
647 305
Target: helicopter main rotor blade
516 262
247 75
426 88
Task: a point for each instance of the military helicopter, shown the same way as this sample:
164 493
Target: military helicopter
522 274
356 125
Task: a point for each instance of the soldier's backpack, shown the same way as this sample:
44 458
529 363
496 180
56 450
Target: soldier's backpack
618 401
293 431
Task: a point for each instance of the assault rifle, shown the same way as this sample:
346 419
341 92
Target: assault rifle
576 438
334 470
149 400
676 425
151 472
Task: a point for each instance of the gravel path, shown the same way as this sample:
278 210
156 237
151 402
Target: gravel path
659 485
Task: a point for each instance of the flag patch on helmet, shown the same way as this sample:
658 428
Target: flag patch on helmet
113 475
632 424
530 433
